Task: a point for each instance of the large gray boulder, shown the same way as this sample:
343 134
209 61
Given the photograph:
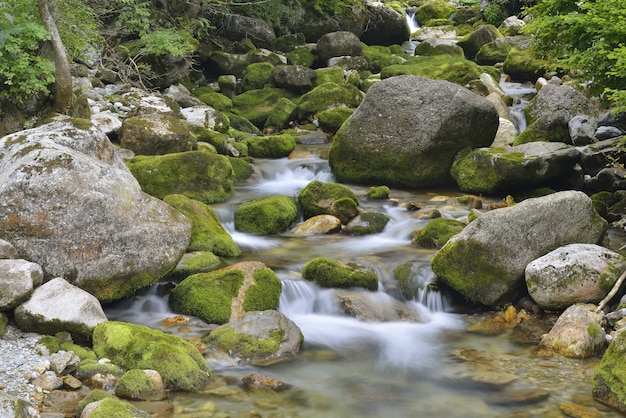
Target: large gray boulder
505 170
69 204
18 279
59 306
236 27
296 78
407 131
486 261
552 98
338 44
575 273
385 26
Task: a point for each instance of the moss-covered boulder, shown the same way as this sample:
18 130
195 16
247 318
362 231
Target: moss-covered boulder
326 96
438 47
609 378
155 134
486 261
216 100
549 127
317 198
378 193
380 56
144 385
300 56
506 170
207 232
279 118
112 407
521 65
266 215
437 232
224 295
137 347
199 175
366 223
331 120
193 263
433 9
496 51
329 75
258 338
272 146
331 273
455 69
472 43
257 75
256 105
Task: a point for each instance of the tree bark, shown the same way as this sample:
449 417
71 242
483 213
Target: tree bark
63 76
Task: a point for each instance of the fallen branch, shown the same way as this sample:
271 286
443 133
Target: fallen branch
613 292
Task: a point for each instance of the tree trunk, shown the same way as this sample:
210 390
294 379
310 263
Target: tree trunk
63 83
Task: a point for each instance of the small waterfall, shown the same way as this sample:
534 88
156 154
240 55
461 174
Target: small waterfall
523 92
411 20
421 286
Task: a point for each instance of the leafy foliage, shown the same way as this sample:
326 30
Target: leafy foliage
22 71
585 35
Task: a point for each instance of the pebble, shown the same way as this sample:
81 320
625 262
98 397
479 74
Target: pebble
20 363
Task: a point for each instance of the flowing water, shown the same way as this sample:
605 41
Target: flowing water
370 369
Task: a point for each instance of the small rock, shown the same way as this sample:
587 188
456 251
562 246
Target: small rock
579 411
518 397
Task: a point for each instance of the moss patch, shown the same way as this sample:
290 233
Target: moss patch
244 345
326 96
265 293
331 273
455 69
318 197
266 215
274 146
609 378
438 231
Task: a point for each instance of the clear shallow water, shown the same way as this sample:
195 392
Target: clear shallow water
372 369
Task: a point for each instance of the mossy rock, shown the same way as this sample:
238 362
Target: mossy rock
331 273
207 232
241 167
155 135
84 353
331 120
300 56
89 368
472 43
136 384
433 9
210 296
180 364
317 197
256 105
272 146
521 65
329 75
217 101
194 263
367 223
550 127
279 118
326 96
266 215
378 193
438 231
345 209
217 139
494 52
115 408
381 56
93 396
257 75
241 124
455 69
609 378
407 278
427 49
199 175
602 201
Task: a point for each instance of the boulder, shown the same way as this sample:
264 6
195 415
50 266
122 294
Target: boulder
437 232
549 127
206 117
511 26
318 198
72 206
433 10
366 223
296 78
407 131
609 378
199 175
219 63
142 385
258 338
207 232
58 306
582 129
436 46
236 27
338 44
111 406
575 273
267 215
578 333
256 105
473 42
328 96
373 306
521 65
497 50
486 261
552 98
504 170
179 363
439 67
271 146
225 295
155 134
7 250
194 262
331 273
181 95
350 64
281 116
18 279
321 18
319 224
385 26
257 76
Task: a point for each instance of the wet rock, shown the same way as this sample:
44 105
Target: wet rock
64 362
114 407
258 381
320 224
146 385
531 330
331 273
552 98
579 411
318 198
609 378
373 307
579 332
367 223
62 401
518 397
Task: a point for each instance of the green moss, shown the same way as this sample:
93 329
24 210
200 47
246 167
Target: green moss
602 201
335 274
83 353
242 169
89 367
328 95
51 343
438 231
300 56
266 215
217 139
244 345
455 69
199 175
217 101
344 8
609 378
115 408
382 56
4 321
378 192
137 384
256 105
433 9
257 75
280 117
265 294
426 49
522 65
207 295
331 120
193 263
317 197
466 266
83 124
371 223
329 75
137 347
93 396
241 127
345 209
207 232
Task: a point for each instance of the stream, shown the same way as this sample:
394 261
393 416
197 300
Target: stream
349 368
